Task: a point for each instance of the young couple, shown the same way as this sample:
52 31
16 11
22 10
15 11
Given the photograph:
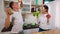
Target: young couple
18 20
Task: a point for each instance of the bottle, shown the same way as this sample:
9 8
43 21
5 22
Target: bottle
38 9
32 9
36 12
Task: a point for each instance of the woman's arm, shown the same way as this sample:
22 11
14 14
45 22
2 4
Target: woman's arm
7 20
47 21
48 16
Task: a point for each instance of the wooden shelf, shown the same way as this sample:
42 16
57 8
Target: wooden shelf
37 5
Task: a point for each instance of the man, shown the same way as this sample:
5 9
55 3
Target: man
18 21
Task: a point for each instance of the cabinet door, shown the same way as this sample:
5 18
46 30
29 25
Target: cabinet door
37 2
26 1
26 8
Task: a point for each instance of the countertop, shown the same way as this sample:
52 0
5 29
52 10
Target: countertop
48 32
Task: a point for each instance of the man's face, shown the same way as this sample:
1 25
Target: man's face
15 6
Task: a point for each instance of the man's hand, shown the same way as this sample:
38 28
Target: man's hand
22 5
7 11
7 22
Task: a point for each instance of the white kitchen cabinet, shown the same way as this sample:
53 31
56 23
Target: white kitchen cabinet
6 0
27 6
40 2
12 0
28 3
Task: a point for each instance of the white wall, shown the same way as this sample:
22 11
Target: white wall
52 13
54 10
2 15
57 16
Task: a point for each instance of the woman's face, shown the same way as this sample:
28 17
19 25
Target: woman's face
15 6
44 10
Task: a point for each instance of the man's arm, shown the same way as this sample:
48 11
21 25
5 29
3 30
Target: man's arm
21 5
7 20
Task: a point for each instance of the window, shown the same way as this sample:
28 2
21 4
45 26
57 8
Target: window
26 8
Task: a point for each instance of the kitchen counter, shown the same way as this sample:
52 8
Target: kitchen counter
47 32
28 31
30 28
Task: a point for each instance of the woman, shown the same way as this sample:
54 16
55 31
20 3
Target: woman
44 19
18 21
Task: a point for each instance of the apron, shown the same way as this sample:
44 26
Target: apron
18 22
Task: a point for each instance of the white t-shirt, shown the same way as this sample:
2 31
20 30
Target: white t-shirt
43 21
18 22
